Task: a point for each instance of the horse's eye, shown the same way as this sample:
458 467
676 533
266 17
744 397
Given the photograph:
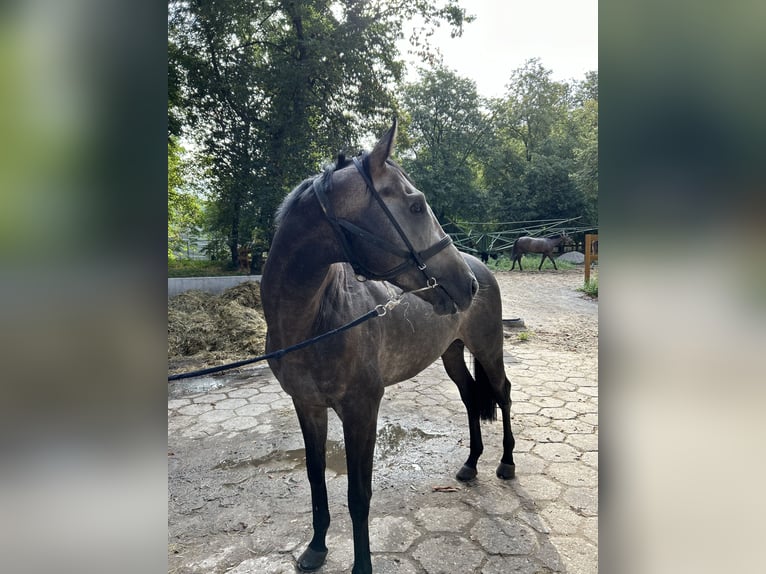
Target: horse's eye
416 207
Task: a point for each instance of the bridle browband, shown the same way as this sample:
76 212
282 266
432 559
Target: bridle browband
343 228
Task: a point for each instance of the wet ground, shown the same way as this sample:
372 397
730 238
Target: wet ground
239 500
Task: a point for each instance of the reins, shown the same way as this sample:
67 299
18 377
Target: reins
377 311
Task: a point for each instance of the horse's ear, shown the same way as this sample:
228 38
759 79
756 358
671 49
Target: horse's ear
383 149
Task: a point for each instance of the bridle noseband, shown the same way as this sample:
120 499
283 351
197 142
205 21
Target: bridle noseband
343 228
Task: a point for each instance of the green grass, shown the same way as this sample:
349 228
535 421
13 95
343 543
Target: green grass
524 336
591 287
195 268
528 262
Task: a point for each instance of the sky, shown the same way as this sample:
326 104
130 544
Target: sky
506 33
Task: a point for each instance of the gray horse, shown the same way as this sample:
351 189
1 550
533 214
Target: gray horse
364 219
544 245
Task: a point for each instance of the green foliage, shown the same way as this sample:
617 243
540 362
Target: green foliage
534 105
524 336
541 159
191 268
550 193
184 208
502 263
528 263
591 287
530 155
446 129
217 248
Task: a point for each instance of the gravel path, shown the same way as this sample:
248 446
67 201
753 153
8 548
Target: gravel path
557 315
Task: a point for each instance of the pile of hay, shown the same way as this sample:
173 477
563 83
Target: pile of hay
204 329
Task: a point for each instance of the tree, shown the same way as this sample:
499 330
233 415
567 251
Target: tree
585 174
542 159
534 104
446 128
270 88
550 191
184 210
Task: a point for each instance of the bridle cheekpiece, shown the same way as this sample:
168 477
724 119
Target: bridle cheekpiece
344 229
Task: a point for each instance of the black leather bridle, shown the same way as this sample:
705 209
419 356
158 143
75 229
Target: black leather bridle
344 228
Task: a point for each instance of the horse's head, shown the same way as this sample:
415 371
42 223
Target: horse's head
389 232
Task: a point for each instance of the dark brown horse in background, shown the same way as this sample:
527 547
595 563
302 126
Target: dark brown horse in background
366 218
544 245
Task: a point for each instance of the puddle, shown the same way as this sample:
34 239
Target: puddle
183 387
392 438
290 459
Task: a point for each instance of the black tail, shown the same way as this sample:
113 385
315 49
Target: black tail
514 250
482 393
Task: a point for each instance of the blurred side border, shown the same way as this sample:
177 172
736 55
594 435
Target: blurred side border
83 100
682 285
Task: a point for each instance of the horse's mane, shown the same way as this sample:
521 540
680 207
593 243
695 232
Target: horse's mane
306 186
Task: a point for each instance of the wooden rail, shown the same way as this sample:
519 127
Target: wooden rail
591 252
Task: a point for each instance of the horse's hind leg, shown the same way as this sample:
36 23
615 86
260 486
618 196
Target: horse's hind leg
490 375
454 364
313 421
495 371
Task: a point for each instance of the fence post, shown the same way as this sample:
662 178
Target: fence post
591 252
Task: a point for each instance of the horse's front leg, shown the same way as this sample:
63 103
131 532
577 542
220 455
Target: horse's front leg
359 433
313 421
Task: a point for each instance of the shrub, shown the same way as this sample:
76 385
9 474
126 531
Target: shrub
591 287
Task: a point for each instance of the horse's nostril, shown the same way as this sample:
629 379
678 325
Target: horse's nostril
474 287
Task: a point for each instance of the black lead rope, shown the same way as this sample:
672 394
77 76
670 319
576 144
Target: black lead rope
378 311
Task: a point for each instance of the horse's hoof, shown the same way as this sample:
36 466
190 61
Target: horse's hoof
506 471
466 473
311 560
